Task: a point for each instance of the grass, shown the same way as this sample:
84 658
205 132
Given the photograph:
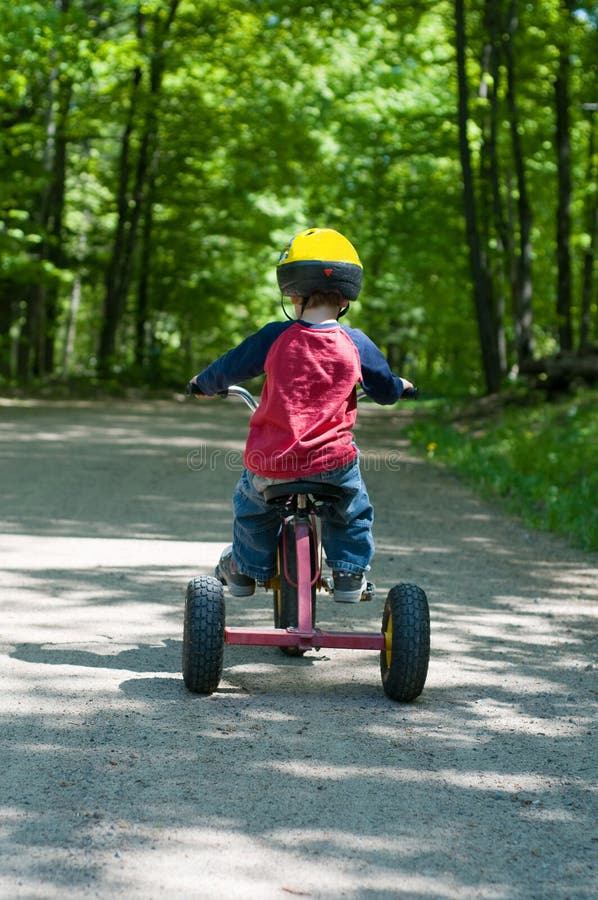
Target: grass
539 458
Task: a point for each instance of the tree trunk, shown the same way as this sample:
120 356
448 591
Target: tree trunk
54 249
132 202
589 334
71 325
116 286
586 337
482 282
558 373
6 320
142 309
563 221
30 335
523 311
492 211
36 342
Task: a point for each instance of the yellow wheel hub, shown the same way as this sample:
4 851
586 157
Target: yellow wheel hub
388 641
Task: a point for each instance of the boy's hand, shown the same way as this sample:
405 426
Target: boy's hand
194 389
410 392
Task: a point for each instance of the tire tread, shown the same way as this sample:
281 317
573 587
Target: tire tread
404 678
203 635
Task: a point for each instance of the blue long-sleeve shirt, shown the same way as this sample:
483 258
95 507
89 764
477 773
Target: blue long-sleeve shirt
308 406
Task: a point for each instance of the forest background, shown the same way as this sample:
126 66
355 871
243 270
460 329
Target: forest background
156 156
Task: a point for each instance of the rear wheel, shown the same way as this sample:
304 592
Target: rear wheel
285 595
203 635
406 630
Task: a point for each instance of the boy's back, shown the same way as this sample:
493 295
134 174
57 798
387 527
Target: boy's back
308 407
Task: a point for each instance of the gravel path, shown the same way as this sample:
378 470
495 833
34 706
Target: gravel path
298 777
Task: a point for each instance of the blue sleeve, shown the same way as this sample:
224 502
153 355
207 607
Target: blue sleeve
242 362
377 379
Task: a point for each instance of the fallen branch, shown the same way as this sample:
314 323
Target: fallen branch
559 372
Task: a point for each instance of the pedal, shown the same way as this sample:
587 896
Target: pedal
328 584
273 584
369 593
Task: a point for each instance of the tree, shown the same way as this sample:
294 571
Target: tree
34 107
563 155
588 331
135 182
481 275
522 285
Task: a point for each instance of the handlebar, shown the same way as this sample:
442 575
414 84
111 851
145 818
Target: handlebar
236 390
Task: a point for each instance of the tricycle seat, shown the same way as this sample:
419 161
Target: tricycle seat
319 493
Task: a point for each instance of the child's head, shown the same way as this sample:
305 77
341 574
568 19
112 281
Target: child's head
322 265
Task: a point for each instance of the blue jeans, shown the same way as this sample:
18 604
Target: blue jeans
346 525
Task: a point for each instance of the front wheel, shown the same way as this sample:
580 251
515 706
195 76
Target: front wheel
203 635
406 630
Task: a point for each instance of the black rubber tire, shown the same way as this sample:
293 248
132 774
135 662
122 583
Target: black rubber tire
285 596
406 627
203 635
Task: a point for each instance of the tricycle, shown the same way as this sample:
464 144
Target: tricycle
403 643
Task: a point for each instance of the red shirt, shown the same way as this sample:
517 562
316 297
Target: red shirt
308 406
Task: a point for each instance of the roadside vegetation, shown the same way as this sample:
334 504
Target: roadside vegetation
539 458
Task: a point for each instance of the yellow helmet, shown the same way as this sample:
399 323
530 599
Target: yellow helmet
319 259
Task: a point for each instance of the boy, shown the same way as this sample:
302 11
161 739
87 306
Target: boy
303 426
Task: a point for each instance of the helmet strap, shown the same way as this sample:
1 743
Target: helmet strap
304 302
284 309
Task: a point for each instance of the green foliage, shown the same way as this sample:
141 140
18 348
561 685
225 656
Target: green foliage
539 458
266 117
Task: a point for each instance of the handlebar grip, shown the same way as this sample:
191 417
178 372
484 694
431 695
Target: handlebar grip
410 394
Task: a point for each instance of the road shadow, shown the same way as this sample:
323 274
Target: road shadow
299 758
298 767
110 470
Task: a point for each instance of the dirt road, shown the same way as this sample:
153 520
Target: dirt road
299 777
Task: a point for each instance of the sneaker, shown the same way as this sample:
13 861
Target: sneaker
348 586
239 585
